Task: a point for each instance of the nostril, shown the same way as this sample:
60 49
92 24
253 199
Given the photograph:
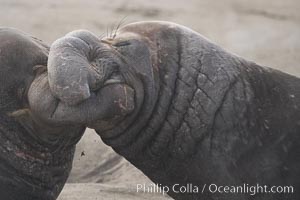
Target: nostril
96 87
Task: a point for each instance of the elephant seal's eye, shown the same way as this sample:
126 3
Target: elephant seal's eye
121 44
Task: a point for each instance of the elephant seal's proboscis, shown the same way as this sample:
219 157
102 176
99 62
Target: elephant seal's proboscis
38 130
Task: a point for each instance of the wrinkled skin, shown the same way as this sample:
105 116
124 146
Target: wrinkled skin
197 114
36 149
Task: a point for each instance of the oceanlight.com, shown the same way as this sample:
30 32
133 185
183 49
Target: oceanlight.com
214 188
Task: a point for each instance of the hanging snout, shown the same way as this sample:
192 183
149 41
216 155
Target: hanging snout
70 71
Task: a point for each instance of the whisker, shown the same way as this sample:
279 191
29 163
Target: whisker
107 31
101 36
122 21
112 29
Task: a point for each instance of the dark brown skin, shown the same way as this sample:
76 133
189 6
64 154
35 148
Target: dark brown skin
36 153
199 115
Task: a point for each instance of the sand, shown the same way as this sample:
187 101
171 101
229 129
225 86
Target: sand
266 32
92 191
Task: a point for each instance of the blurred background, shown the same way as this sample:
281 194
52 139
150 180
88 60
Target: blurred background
264 31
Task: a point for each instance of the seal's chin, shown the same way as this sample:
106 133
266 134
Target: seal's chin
105 107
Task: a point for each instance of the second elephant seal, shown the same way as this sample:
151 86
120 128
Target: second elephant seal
195 114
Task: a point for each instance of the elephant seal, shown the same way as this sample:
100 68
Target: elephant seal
197 116
36 148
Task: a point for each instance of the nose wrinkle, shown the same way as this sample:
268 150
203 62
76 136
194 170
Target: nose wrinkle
78 66
74 93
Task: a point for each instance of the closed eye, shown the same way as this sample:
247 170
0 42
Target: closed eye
121 44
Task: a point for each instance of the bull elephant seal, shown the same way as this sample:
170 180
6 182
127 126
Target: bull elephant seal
196 114
36 148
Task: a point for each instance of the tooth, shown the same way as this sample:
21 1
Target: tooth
110 81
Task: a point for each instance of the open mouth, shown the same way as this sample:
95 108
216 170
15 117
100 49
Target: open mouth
114 79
